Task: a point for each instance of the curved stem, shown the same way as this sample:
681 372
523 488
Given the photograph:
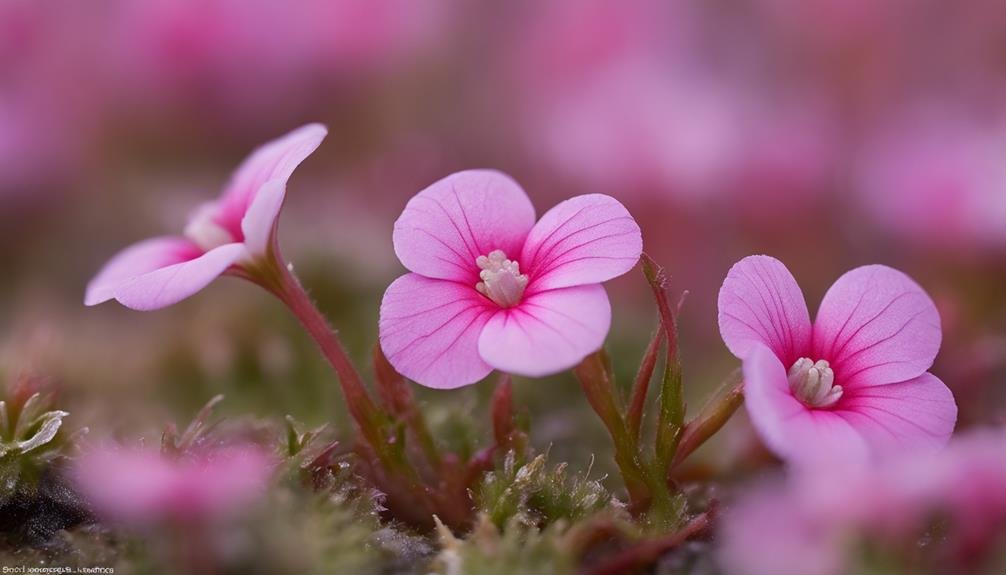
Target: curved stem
276 277
711 419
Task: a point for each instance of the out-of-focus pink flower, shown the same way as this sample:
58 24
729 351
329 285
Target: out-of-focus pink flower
812 522
851 385
143 487
234 230
836 24
637 127
566 43
216 53
31 156
45 57
769 534
937 179
490 288
788 157
612 96
623 97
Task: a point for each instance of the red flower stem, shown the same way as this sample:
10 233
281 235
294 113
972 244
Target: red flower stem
501 409
506 435
276 277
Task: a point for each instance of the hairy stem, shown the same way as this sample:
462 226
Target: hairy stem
276 277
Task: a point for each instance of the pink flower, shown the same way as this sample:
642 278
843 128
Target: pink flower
143 487
931 169
490 288
640 127
770 533
849 386
232 231
214 54
812 522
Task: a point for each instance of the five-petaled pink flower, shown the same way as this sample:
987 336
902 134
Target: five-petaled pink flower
142 487
851 385
490 288
232 231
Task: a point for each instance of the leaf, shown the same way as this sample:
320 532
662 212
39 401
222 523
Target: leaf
50 427
32 409
4 420
671 414
293 437
199 423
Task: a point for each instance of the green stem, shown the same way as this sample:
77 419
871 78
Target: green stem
594 375
711 419
398 398
641 386
671 414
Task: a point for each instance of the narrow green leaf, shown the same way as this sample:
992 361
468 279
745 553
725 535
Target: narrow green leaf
51 423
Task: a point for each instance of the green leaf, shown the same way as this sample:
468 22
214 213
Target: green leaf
51 423
32 409
4 420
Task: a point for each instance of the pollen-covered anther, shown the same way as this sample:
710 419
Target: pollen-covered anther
813 383
502 281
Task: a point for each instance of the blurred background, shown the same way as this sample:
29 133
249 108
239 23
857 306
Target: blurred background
827 133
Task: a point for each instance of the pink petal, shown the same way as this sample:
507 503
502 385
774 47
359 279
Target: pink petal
260 220
445 227
876 326
143 487
171 284
128 486
789 429
761 303
136 260
583 240
768 532
548 332
916 414
220 483
429 331
275 160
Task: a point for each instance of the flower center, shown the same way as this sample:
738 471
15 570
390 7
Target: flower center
205 231
502 281
813 383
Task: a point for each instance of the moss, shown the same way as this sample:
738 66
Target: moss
538 494
517 548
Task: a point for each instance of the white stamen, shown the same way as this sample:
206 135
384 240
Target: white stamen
502 281
814 383
205 231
